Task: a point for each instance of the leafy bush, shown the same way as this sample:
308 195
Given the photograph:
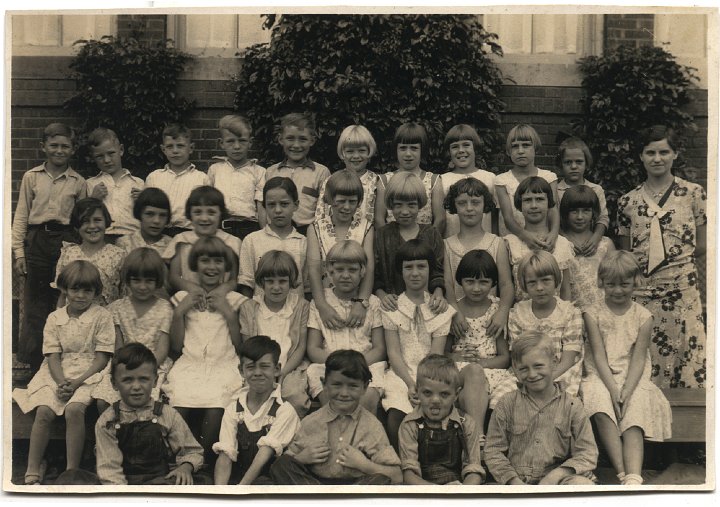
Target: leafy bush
627 90
131 88
376 70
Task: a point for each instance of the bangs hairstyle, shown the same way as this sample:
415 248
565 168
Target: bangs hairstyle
463 132
277 263
100 135
80 275
154 197
405 186
344 182
143 262
530 340
658 133
356 136
59 129
133 355
235 124
281 182
573 143
257 346
414 250
412 133
477 264
85 208
533 185
522 132
618 266
299 120
439 368
206 196
578 197
350 363
472 187
176 131
346 251
541 263
211 246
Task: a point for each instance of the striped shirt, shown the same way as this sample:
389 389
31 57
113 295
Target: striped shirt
527 441
118 200
177 186
308 179
241 186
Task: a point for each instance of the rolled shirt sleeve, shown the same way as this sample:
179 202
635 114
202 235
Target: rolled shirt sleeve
282 430
228 434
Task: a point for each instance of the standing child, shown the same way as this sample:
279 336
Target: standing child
411 146
78 342
179 176
573 159
346 264
461 143
405 196
344 194
152 209
90 218
579 210
617 391
140 439
341 443
259 425
561 321
479 352
140 317
205 377
282 314
522 143
297 136
280 200
533 198
115 186
412 331
438 443
48 193
469 199
206 209
241 179
539 434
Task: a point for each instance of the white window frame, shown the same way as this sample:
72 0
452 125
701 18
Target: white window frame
65 45
177 27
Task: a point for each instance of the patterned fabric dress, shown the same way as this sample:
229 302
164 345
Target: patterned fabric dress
425 214
671 293
454 250
584 284
647 408
108 260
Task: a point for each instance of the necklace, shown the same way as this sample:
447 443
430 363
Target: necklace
661 191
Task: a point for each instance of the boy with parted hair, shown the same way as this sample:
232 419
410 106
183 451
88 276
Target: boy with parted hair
539 434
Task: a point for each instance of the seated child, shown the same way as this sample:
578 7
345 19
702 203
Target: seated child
282 314
439 444
346 263
539 434
240 178
140 440
259 425
341 443
78 342
114 186
152 209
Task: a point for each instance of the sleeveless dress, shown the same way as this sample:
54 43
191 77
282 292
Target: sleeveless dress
454 250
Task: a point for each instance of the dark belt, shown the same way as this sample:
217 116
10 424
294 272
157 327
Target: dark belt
227 223
50 227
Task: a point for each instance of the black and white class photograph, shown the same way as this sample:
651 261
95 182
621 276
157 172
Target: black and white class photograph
376 250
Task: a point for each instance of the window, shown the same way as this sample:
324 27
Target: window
52 35
685 36
218 34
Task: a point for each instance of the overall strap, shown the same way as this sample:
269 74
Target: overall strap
238 407
158 408
115 421
274 408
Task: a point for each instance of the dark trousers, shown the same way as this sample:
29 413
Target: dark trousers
42 251
287 470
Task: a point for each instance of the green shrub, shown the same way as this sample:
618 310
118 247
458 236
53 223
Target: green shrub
131 88
376 70
626 90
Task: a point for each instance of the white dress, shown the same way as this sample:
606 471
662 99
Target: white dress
647 408
454 252
452 222
182 245
77 339
206 375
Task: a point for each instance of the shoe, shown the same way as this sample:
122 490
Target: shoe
32 479
632 480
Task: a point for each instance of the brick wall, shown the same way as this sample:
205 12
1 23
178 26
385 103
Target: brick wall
629 29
